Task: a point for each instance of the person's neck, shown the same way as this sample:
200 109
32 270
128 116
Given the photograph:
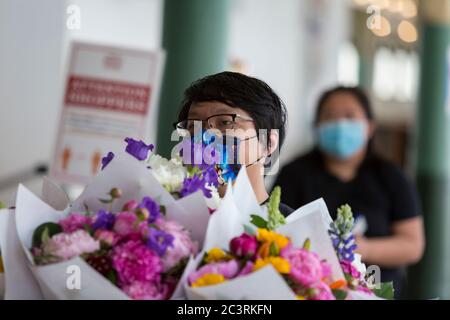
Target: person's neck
344 170
257 182
256 178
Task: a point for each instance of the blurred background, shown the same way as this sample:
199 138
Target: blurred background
398 50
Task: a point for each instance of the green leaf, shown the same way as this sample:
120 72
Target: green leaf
258 221
112 276
339 294
44 232
106 201
386 290
2 205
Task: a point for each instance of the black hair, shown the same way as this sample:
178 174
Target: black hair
240 91
358 93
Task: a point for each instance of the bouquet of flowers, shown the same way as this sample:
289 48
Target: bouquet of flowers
269 251
306 274
356 278
138 249
133 244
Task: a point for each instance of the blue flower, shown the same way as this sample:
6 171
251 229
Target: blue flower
138 149
107 159
159 241
104 220
152 207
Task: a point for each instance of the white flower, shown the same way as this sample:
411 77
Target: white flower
214 201
170 173
359 265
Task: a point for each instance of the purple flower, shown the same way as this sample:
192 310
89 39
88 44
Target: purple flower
152 207
210 175
191 185
138 149
107 159
104 220
159 241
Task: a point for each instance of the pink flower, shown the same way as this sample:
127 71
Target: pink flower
306 267
130 205
244 245
228 269
348 268
146 291
322 292
125 223
68 245
326 269
133 261
365 290
182 245
75 221
106 236
248 268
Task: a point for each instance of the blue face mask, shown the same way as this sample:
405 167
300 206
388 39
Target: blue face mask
342 139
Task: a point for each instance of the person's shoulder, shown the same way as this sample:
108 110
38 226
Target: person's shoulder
304 162
388 170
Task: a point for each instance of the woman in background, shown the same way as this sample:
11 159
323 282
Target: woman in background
343 168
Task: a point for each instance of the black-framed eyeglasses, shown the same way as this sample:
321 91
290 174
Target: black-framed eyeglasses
221 122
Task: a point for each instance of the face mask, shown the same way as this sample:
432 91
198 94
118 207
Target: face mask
342 139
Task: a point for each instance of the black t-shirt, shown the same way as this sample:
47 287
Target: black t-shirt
380 192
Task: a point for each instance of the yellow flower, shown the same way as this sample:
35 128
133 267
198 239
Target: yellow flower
216 255
280 264
208 280
265 235
300 298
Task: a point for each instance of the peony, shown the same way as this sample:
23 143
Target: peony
182 244
68 245
133 262
75 221
106 236
125 223
244 246
146 291
226 269
306 267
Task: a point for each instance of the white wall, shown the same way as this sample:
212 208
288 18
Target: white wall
290 44
33 47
